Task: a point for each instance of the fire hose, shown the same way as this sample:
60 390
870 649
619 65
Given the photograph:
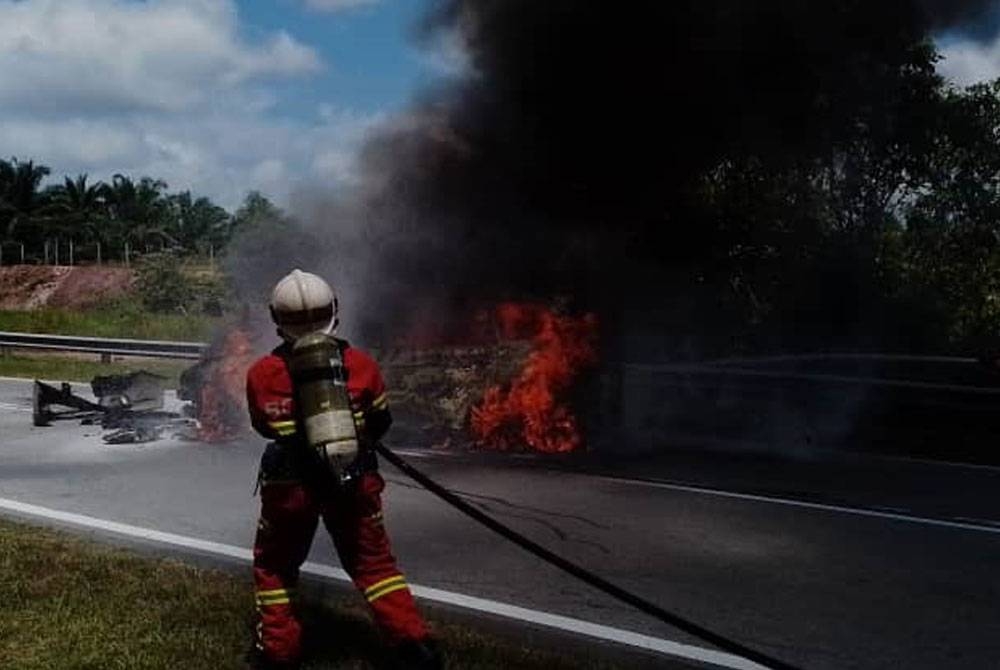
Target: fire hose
599 583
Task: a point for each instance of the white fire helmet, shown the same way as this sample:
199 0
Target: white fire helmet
303 303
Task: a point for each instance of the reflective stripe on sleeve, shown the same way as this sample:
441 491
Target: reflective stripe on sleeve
384 588
381 402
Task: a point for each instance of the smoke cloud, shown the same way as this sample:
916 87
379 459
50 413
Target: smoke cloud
563 163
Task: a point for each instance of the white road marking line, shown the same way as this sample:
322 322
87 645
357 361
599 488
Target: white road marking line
626 637
981 527
936 463
11 407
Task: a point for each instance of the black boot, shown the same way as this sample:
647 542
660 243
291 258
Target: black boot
418 655
256 660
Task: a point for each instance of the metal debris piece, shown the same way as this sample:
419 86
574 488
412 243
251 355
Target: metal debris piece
130 406
132 435
138 391
47 398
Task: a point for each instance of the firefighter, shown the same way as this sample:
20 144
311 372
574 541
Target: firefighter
298 489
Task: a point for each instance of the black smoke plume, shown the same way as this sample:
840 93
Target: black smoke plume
566 161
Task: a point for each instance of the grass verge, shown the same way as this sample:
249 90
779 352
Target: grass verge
123 318
73 368
78 605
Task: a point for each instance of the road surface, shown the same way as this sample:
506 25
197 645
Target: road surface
878 565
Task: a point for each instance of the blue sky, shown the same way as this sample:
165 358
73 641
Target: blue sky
216 96
371 64
226 96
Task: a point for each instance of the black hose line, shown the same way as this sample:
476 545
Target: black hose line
580 573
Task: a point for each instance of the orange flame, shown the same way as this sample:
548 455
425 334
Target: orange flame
533 411
222 403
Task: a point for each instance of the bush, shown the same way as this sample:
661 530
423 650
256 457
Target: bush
162 285
165 285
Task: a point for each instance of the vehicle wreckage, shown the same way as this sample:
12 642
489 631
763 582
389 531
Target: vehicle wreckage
131 407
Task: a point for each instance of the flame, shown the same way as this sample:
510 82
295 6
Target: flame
532 411
222 407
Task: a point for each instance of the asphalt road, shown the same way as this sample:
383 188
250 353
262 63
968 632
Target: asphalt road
881 564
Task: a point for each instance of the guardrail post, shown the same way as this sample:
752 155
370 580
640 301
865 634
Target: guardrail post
105 358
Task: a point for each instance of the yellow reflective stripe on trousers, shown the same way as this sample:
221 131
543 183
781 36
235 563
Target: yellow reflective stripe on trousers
273 597
282 428
380 402
385 587
359 419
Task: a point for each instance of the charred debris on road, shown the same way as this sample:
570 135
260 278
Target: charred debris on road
131 408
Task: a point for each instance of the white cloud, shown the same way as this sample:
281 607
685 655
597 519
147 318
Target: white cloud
101 55
69 142
220 156
967 62
166 88
338 5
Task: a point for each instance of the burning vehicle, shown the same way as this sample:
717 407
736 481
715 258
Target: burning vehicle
214 387
509 386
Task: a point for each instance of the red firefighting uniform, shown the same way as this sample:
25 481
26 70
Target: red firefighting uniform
292 502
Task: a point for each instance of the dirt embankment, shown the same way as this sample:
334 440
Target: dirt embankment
26 287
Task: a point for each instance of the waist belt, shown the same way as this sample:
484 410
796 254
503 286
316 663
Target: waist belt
291 462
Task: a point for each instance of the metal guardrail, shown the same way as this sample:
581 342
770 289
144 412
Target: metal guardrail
718 370
103 346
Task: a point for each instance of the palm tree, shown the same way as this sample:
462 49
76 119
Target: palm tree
137 212
77 206
197 224
20 200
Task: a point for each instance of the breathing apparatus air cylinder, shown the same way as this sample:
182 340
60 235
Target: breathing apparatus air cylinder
320 381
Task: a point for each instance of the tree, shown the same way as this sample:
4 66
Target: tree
951 255
20 200
137 212
196 224
78 208
255 210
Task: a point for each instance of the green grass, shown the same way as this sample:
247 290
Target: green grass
124 318
77 605
62 368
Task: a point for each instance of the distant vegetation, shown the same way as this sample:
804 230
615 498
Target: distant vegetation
112 221
170 238
74 368
125 317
